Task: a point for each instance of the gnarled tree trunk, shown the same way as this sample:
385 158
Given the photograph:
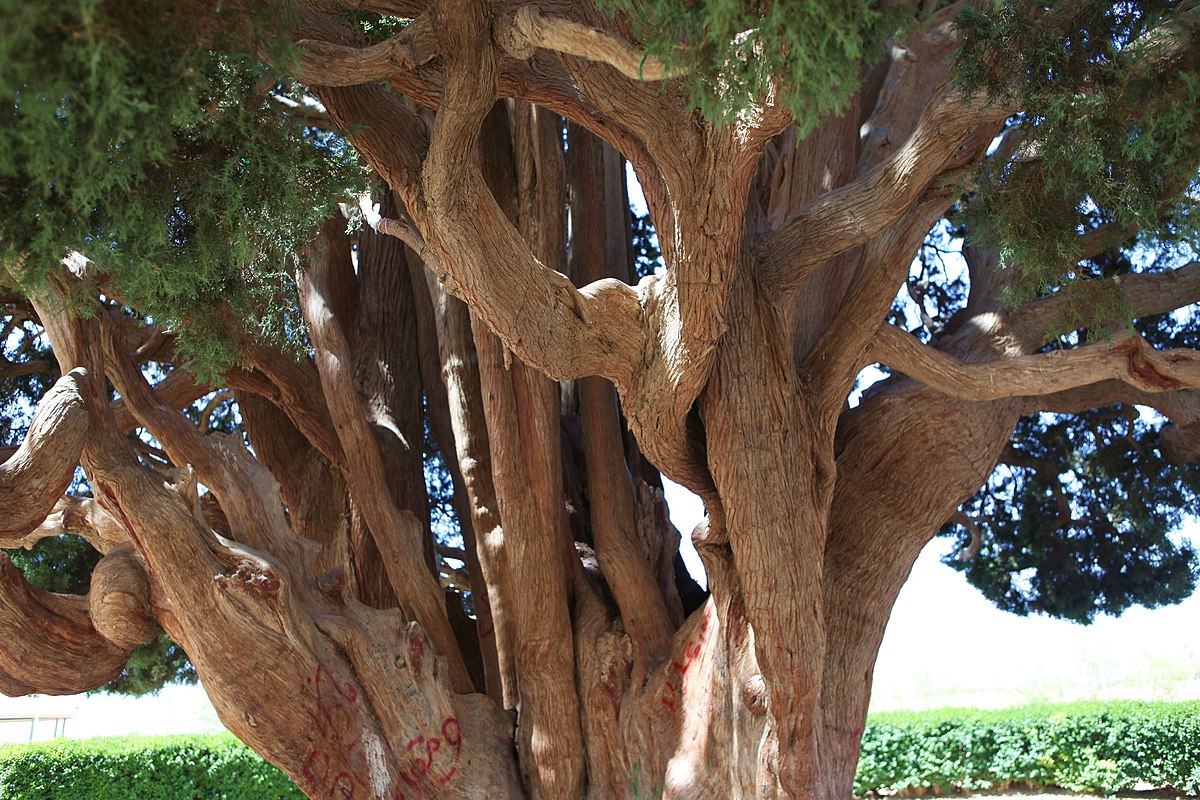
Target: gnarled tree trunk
494 304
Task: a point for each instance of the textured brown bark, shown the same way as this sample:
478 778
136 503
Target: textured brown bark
500 268
521 408
627 562
387 376
34 477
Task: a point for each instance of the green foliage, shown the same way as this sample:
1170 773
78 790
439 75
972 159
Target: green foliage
1086 747
141 768
57 564
1082 519
164 161
734 52
152 666
1107 127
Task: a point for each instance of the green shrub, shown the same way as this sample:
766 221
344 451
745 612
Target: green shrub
216 767
1084 747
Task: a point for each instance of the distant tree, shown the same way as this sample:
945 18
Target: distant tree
993 203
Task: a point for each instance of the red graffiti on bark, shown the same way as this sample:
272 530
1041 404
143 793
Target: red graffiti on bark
333 701
322 769
677 671
422 752
334 717
330 767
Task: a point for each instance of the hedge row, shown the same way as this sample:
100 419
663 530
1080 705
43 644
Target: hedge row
1092 747
141 768
1100 748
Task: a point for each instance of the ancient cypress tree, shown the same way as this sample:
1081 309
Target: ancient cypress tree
283 251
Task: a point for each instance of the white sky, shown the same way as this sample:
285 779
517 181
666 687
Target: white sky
948 645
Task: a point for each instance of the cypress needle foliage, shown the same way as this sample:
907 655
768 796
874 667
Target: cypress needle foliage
127 137
735 51
1082 520
1108 95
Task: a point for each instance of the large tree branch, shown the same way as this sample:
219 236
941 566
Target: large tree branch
916 68
78 516
1148 293
289 385
178 390
1182 407
841 352
527 28
541 316
50 645
34 478
847 217
1130 359
537 312
1180 436
460 373
248 494
332 64
397 533
439 414
621 555
521 408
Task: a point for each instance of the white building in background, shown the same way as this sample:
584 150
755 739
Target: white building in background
35 718
174 710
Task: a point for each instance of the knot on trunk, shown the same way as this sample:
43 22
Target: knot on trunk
119 600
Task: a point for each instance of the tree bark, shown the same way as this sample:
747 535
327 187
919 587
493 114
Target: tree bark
500 264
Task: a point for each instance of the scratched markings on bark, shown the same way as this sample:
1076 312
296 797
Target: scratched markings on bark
334 718
426 760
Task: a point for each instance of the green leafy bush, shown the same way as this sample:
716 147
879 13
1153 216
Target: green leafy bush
215 767
1084 747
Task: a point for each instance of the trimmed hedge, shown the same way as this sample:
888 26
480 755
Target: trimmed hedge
213 767
1085 747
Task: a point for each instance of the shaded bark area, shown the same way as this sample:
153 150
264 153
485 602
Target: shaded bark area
387 377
